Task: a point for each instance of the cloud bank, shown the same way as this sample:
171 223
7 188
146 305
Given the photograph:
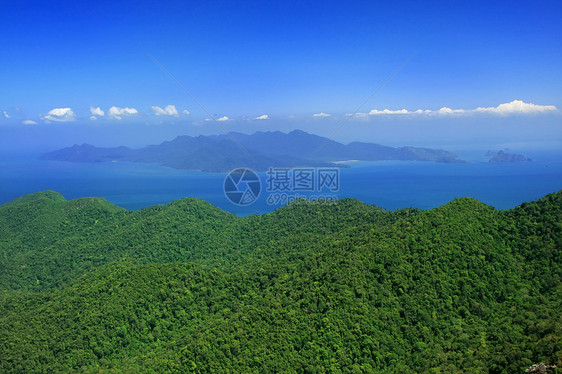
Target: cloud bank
387 111
28 122
263 116
321 114
518 106
6 115
514 107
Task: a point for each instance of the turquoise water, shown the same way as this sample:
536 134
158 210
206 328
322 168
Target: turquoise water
390 185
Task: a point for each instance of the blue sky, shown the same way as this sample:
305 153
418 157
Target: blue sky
65 63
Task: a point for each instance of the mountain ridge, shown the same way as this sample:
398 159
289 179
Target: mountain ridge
258 151
343 287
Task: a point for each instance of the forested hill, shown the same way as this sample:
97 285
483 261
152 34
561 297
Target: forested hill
88 287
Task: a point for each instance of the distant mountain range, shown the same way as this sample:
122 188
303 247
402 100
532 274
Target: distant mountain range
258 151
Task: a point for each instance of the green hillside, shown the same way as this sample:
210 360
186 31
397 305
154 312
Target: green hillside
87 287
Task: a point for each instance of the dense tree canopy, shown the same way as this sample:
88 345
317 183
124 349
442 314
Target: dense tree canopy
86 286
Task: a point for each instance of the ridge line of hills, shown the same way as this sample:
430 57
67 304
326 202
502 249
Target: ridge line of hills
89 287
222 153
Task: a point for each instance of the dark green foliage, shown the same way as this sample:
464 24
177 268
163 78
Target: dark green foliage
347 287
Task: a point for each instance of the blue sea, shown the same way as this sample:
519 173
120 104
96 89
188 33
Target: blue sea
388 184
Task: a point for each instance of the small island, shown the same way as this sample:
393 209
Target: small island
502 156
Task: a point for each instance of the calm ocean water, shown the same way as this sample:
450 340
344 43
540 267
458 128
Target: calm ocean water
390 185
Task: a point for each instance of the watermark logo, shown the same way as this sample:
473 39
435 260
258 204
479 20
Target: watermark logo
286 185
242 186
283 185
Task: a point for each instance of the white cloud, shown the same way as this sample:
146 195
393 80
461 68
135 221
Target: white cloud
263 116
356 115
60 115
224 118
169 110
514 107
118 113
446 110
387 111
28 122
518 107
6 115
96 112
321 114
185 111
